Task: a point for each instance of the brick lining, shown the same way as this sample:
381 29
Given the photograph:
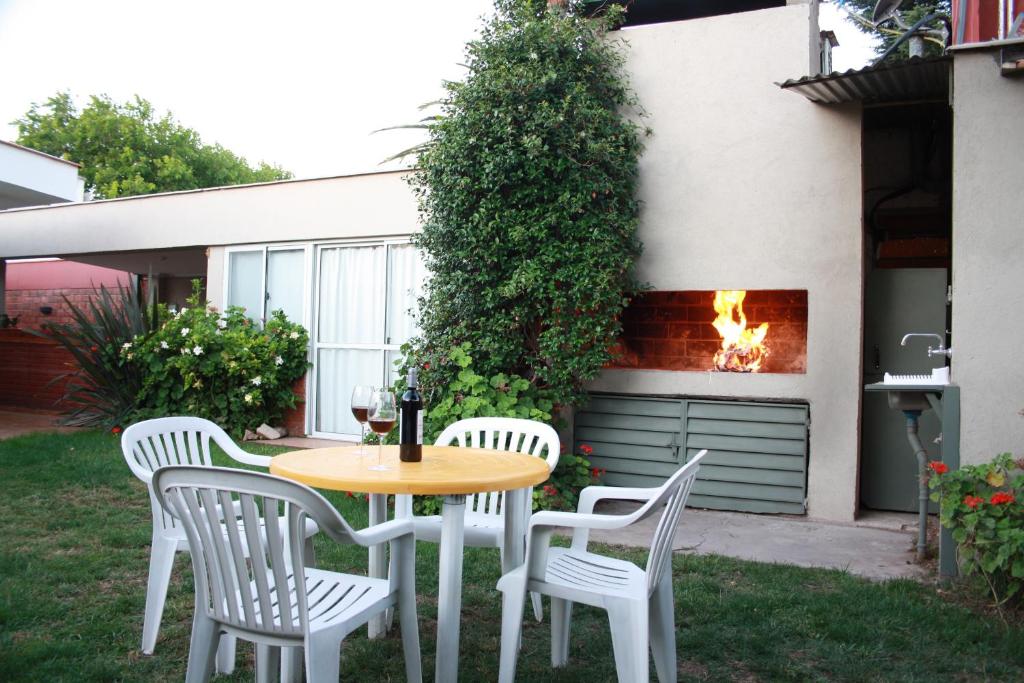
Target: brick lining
671 330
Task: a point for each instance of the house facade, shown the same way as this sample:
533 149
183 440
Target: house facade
745 186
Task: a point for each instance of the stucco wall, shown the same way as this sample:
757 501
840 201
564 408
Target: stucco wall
350 206
745 186
988 248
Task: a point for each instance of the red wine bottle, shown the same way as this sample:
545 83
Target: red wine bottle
410 444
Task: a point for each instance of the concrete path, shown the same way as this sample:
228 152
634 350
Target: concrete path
881 549
14 422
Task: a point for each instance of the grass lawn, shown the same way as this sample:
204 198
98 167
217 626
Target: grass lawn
74 546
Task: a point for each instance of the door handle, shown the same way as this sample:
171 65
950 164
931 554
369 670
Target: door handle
878 358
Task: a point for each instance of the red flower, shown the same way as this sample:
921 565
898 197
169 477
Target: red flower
585 449
973 501
938 467
94 349
1001 498
550 490
349 494
115 430
426 366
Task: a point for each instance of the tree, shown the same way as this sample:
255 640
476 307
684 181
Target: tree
526 194
911 11
126 149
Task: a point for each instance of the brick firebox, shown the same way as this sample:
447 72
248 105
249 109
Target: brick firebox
671 330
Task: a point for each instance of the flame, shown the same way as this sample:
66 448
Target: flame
742 349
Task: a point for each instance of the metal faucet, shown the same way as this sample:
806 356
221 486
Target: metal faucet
941 350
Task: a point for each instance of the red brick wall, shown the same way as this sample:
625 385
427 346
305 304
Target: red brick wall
673 331
24 304
27 365
295 419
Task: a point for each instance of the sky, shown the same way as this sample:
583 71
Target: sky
302 84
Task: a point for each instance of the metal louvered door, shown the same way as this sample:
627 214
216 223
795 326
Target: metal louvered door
757 452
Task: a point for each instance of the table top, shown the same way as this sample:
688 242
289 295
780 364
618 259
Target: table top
444 470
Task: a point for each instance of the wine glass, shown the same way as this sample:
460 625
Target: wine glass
360 404
382 415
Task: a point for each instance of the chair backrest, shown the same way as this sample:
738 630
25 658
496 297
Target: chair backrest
152 444
503 433
245 568
671 499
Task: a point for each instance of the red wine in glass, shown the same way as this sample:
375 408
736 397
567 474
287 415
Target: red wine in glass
382 427
359 413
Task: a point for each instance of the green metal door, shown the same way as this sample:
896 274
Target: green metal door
757 452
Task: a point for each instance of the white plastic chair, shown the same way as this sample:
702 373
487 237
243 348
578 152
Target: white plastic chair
152 444
260 589
485 520
638 601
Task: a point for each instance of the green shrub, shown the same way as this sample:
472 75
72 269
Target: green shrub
572 474
103 389
220 366
527 199
983 507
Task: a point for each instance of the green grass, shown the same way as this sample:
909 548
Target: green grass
74 545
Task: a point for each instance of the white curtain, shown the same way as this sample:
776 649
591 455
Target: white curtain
338 371
407 273
351 289
245 282
286 282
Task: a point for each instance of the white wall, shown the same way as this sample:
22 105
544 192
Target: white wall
30 178
988 256
745 186
351 206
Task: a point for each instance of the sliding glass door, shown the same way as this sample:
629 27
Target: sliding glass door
364 303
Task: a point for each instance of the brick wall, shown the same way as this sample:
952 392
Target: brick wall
27 366
24 304
295 419
673 331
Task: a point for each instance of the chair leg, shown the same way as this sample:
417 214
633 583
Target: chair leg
291 665
561 616
323 657
408 622
161 562
538 607
202 649
226 654
268 662
628 620
512 603
663 630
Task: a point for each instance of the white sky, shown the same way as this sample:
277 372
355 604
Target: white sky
301 84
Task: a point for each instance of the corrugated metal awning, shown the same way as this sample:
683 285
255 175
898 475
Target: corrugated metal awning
916 78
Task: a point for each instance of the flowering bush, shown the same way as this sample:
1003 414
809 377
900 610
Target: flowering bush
572 474
219 366
983 507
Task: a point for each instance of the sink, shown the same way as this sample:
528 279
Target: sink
910 392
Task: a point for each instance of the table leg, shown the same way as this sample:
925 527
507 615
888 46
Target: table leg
449 592
514 549
378 568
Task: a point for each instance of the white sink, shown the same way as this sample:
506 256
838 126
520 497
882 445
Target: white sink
939 377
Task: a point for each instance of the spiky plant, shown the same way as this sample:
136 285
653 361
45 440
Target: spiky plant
102 389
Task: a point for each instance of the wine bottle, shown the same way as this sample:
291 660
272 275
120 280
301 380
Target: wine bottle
410 447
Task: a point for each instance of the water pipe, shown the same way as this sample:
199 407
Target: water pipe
922 481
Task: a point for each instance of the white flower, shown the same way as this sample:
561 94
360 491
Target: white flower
130 356
216 331
248 398
294 335
257 380
126 345
183 309
279 361
163 345
185 331
222 323
186 351
197 349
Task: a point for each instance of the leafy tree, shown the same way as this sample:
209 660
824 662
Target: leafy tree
526 195
126 149
911 11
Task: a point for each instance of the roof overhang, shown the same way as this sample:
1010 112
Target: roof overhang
912 80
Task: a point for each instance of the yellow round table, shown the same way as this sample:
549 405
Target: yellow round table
449 471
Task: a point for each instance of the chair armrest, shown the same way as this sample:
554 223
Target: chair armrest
590 495
379 533
576 520
236 453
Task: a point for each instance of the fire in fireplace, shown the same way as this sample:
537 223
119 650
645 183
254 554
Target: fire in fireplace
763 331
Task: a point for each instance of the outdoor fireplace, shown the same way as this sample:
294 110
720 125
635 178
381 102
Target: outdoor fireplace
745 331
